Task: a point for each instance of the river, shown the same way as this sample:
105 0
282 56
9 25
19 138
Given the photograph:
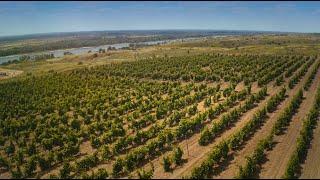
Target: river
83 50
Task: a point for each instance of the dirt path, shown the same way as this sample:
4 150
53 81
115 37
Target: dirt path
108 165
243 120
279 156
198 153
239 159
311 168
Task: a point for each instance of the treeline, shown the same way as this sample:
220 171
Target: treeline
254 161
56 136
207 67
207 135
304 140
221 151
25 58
312 76
79 42
165 138
296 78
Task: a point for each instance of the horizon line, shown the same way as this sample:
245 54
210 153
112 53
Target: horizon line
56 32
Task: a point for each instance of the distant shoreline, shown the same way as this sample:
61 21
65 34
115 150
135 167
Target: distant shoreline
53 34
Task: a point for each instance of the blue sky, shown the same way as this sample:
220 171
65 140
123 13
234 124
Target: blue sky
41 17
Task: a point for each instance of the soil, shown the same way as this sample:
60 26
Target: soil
311 169
278 158
199 153
239 159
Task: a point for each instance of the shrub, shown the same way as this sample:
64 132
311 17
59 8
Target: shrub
117 167
177 156
146 174
65 170
10 149
166 164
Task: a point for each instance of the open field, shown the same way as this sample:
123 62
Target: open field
8 73
229 107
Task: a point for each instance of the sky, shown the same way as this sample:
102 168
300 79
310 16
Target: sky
18 18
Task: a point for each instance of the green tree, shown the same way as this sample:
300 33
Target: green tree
101 174
16 174
75 124
207 102
65 171
30 166
166 164
4 162
117 167
146 174
32 149
177 156
10 149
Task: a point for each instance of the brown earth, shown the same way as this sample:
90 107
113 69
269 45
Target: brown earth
87 149
311 168
278 157
198 153
239 159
